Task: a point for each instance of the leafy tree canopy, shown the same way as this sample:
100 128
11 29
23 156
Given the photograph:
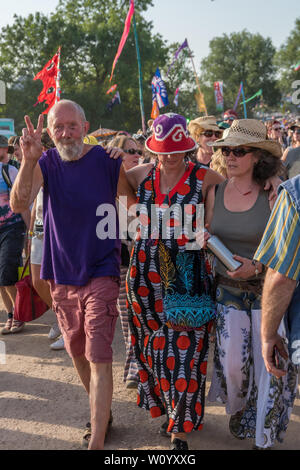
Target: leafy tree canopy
241 57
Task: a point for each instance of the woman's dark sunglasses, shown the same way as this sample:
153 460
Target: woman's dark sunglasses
134 152
217 134
236 152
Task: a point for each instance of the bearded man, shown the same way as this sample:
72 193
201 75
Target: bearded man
81 267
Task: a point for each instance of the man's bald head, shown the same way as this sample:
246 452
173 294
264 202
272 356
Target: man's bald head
65 103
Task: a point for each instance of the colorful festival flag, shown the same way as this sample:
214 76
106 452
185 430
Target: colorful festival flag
50 76
159 90
218 87
115 100
176 96
297 67
124 36
155 109
200 102
183 46
112 88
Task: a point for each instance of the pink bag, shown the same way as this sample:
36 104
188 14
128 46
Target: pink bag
29 305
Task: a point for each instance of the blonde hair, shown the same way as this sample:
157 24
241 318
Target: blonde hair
195 130
218 163
120 141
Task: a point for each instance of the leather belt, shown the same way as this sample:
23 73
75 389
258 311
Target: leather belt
255 286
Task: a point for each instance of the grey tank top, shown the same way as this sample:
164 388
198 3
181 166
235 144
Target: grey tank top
292 162
241 232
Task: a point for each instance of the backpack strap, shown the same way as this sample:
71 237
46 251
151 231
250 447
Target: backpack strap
5 175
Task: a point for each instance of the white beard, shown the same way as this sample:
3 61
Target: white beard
70 150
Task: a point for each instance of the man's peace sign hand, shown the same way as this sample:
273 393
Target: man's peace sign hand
31 140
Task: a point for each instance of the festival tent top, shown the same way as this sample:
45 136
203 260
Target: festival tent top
103 133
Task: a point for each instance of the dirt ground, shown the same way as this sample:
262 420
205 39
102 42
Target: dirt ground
44 407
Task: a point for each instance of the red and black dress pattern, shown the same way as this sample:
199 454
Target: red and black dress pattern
172 364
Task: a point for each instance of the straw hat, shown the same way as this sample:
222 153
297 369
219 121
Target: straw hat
295 124
206 123
170 135
248 132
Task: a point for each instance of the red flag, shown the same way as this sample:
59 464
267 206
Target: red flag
50 75
124 36
112 88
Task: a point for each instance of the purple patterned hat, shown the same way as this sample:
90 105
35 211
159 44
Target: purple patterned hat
170 135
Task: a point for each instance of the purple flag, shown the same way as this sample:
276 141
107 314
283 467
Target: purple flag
183 46
238 96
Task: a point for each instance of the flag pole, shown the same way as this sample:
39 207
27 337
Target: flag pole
196 77
140 74
244 99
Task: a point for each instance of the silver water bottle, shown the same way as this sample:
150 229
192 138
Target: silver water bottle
222 253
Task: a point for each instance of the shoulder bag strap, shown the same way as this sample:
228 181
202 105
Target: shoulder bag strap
5 175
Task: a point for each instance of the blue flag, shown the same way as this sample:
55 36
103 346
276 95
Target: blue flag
159 91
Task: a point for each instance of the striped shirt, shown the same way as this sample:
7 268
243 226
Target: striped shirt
279 248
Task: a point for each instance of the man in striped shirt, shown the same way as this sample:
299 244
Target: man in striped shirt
279 250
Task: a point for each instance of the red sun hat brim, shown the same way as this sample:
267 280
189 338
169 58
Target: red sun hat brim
168 146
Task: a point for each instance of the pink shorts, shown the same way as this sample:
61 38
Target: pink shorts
87 317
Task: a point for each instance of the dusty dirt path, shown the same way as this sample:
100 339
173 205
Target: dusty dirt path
44 407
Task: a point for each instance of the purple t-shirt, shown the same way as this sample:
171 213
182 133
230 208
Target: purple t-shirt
73 191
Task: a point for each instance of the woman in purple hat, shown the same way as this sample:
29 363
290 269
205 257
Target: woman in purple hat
169 281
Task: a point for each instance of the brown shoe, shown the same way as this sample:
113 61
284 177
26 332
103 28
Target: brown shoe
17 326
6 330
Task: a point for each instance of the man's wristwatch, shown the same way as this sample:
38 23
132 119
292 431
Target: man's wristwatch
254 262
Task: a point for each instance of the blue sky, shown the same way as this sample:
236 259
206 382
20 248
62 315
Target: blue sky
198 20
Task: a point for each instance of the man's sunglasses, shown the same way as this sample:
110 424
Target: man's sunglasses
134 152
217 134
237 152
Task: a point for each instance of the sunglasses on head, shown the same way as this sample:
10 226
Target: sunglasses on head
237 152
217 134
134 152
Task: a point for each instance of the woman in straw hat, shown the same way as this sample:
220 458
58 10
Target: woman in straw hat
237 211
204 130
169 283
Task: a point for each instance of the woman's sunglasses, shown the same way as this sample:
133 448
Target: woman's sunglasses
226 151
134 152
218 134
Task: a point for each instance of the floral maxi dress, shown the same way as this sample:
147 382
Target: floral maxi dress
172 363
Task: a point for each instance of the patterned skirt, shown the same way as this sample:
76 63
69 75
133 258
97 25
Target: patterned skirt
240 379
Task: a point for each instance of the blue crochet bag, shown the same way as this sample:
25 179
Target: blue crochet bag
187 288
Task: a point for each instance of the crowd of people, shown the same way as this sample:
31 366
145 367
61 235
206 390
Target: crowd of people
65 210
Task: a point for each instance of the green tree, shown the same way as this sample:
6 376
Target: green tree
286 58
89 32
182 75
241 57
